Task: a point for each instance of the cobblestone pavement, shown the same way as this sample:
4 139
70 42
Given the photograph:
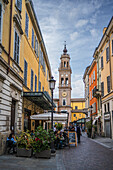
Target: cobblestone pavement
88 155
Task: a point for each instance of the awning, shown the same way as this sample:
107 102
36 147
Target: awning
41 99
47 116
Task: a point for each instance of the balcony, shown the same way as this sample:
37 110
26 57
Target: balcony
96 92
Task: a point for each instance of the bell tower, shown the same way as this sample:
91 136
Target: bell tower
65 83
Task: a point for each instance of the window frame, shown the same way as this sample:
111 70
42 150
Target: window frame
26 29
108 84
32 74
25 72
102 63
15 58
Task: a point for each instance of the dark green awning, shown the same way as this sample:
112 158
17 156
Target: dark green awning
41 99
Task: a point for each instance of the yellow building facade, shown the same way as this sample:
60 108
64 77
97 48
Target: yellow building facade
77 105
24 68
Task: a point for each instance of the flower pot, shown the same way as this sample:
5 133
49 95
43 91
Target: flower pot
43 154
24 152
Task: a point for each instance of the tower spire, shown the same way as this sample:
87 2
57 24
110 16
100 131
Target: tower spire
65 50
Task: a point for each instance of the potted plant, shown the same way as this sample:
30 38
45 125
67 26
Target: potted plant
41 143
24 144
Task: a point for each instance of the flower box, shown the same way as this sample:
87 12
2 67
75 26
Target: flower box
43 154
24 152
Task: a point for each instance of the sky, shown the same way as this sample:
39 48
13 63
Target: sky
78 22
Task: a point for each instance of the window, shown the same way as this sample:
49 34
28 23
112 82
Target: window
102 89
43 88
66 81
94 75
107 54
79 115
62 81
26 24
74 115
104 108
31 80
76 107
25 72
39 88
94 107
36 46
64 64
108 84
32 38
92 78
64 102
67 64
19 4
108 107
102 62
112 47
16 47
0 22
35 83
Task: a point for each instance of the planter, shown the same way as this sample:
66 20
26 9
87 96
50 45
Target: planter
24 152
43 154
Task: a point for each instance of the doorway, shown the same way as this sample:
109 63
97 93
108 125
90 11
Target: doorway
12 126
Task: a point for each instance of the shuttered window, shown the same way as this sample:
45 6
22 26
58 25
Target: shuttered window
108 84
39 86
26 24
102 89
32 38
16 47
107 54
36 46
25 72
31 80
0 22
19 4
102 62
35 83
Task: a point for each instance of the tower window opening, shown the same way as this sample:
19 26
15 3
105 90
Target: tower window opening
64 64
67 64
66 82
64 102
62 81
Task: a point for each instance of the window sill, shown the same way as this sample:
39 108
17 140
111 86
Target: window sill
16 66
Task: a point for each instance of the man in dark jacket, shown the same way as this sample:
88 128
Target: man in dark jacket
78 133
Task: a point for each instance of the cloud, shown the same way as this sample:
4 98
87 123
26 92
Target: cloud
94 33
81 23
73 36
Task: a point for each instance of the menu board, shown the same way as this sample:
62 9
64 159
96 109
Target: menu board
72 138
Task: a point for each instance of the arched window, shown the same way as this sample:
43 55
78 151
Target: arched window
66 82
64 64
62 81
67 64
64 102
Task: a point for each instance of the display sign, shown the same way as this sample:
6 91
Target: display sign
72 138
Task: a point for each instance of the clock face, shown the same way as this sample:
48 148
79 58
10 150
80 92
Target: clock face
64 94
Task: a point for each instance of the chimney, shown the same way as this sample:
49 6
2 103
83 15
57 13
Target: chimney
104 30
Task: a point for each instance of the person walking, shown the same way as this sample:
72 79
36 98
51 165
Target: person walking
78 133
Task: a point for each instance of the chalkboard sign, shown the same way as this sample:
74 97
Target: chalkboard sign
72 138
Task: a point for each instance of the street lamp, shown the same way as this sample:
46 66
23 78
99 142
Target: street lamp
52 87
91 108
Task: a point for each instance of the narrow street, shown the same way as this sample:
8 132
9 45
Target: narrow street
88 155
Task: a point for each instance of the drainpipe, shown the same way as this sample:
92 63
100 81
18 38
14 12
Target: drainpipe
10 25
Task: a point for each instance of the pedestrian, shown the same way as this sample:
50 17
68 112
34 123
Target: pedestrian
11 142
78 133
